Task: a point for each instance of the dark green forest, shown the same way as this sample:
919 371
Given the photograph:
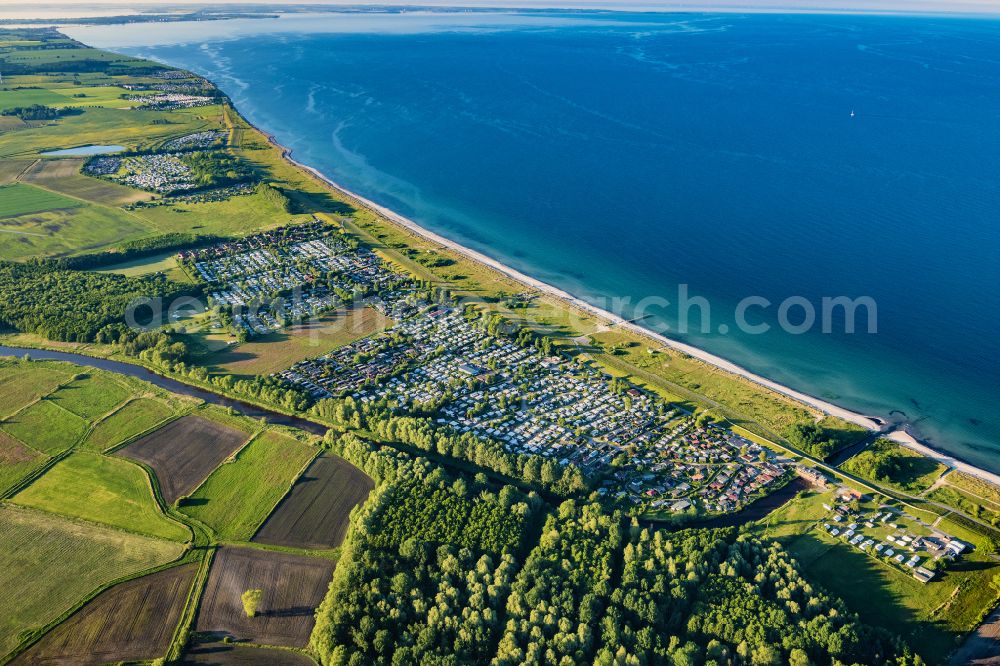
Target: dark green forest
75 306
442 570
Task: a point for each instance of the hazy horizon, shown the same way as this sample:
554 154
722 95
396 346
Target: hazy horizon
79 8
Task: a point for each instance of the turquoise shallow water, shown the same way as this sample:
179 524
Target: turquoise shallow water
620 155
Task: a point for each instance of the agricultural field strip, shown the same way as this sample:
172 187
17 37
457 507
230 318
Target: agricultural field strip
246 442
136 436
41 397
205 489
19 200
169 472
293 586
40 520
20 175
84 413
58 406
53 393
322 497
131 629
157 512
88 202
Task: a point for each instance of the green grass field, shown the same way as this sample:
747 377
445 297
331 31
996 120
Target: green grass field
963 501
20 199
67 96
16 461
164 262
46 426
90 396
236 215
911 472
55 57
19 386
280 350
107 490
974 487
931 617
239 495
10 99
968 531
49 563
135 417
61 232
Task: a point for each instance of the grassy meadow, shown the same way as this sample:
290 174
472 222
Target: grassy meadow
20 199
105 490
49 563
18 388
16 461
895 466
91 396
240 494
279 350
60 232
133 418
46 427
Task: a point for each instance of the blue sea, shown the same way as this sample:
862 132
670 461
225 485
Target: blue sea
622 155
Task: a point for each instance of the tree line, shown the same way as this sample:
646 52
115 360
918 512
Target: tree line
137 249
426 567
74 306
38 112
422 432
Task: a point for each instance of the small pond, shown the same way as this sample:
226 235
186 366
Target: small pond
84 151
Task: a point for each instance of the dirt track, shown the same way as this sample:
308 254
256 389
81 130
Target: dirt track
223 654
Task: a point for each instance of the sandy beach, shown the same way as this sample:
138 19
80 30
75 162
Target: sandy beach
909 441
870 423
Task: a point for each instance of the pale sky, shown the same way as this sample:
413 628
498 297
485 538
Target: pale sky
23 8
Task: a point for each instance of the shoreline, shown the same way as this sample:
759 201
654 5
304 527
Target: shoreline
870 423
